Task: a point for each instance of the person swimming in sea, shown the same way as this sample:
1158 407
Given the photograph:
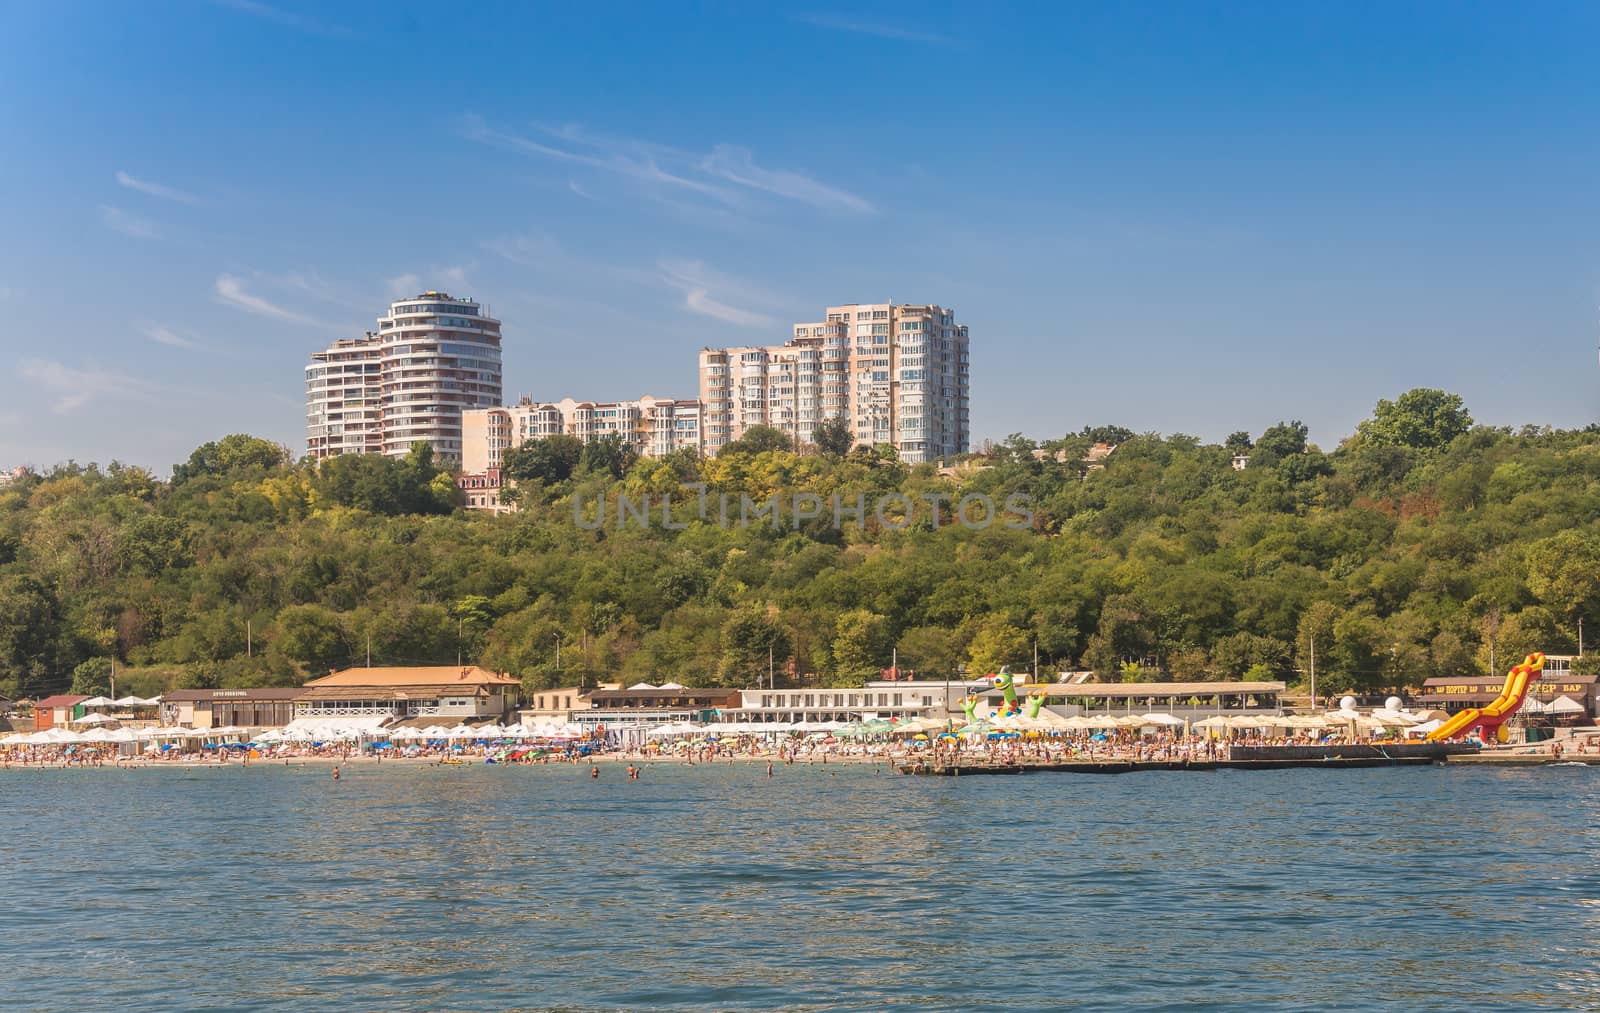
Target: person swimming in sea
336 772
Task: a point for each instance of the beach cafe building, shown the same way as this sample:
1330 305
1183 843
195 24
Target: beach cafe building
886 700
1180 699
644 704
222 708
1455 693
57 711
371 697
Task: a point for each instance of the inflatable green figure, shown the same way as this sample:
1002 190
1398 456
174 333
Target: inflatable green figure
1035 701
970 705
1008 688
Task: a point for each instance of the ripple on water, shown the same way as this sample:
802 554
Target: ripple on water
821 888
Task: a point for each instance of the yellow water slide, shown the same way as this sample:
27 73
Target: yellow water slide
1494 715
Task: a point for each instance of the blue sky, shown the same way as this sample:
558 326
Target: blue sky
1175 217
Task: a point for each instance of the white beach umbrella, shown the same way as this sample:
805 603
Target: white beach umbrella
97 701
95 719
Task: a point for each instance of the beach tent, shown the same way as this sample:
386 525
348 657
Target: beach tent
97 701
1565 705
95 719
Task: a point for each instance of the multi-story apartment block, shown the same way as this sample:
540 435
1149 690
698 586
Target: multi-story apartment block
344 390
897 374
653 426
432 357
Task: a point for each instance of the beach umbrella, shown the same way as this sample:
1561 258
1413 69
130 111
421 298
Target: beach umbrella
97 701
1163 720
95 719
1213 723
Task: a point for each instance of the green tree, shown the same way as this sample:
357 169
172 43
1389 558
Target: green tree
92 677
313 635
1284 440
997 643
239 452
1422 419
861 644
549 459
930 651
751 638
833 437
1238 442
758 440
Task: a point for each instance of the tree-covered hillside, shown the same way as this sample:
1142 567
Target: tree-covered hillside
1418 547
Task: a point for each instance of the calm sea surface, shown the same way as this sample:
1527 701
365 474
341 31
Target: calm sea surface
823 888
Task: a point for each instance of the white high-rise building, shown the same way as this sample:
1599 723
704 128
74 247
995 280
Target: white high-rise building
897 374
432 357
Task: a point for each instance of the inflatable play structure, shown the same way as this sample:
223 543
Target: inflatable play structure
1489 721
1006 683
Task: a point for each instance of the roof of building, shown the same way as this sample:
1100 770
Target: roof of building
1137 689
647 696
456 689
60 700
394 678
258 693
1541 685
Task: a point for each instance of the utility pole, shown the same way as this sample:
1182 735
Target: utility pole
1036 658
113 676
460 621
1580 638
1313 673
558 652
369 648
770 683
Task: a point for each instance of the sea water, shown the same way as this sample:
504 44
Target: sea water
822 887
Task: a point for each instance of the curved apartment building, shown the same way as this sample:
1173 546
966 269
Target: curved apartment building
432 357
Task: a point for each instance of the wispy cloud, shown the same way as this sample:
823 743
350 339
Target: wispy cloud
695 280
231 291
74 388
572 185
736 165
876 29
167 336
128 223
145 186
287 19
728 173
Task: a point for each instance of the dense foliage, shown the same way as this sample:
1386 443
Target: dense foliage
1421 546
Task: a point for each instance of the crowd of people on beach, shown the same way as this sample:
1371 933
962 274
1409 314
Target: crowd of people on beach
705 746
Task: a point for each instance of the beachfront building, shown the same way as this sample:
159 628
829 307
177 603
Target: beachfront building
886 700
1193 700
556 704
222 708
897 374
57 711
371 697
648 705
432 357
1556 682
